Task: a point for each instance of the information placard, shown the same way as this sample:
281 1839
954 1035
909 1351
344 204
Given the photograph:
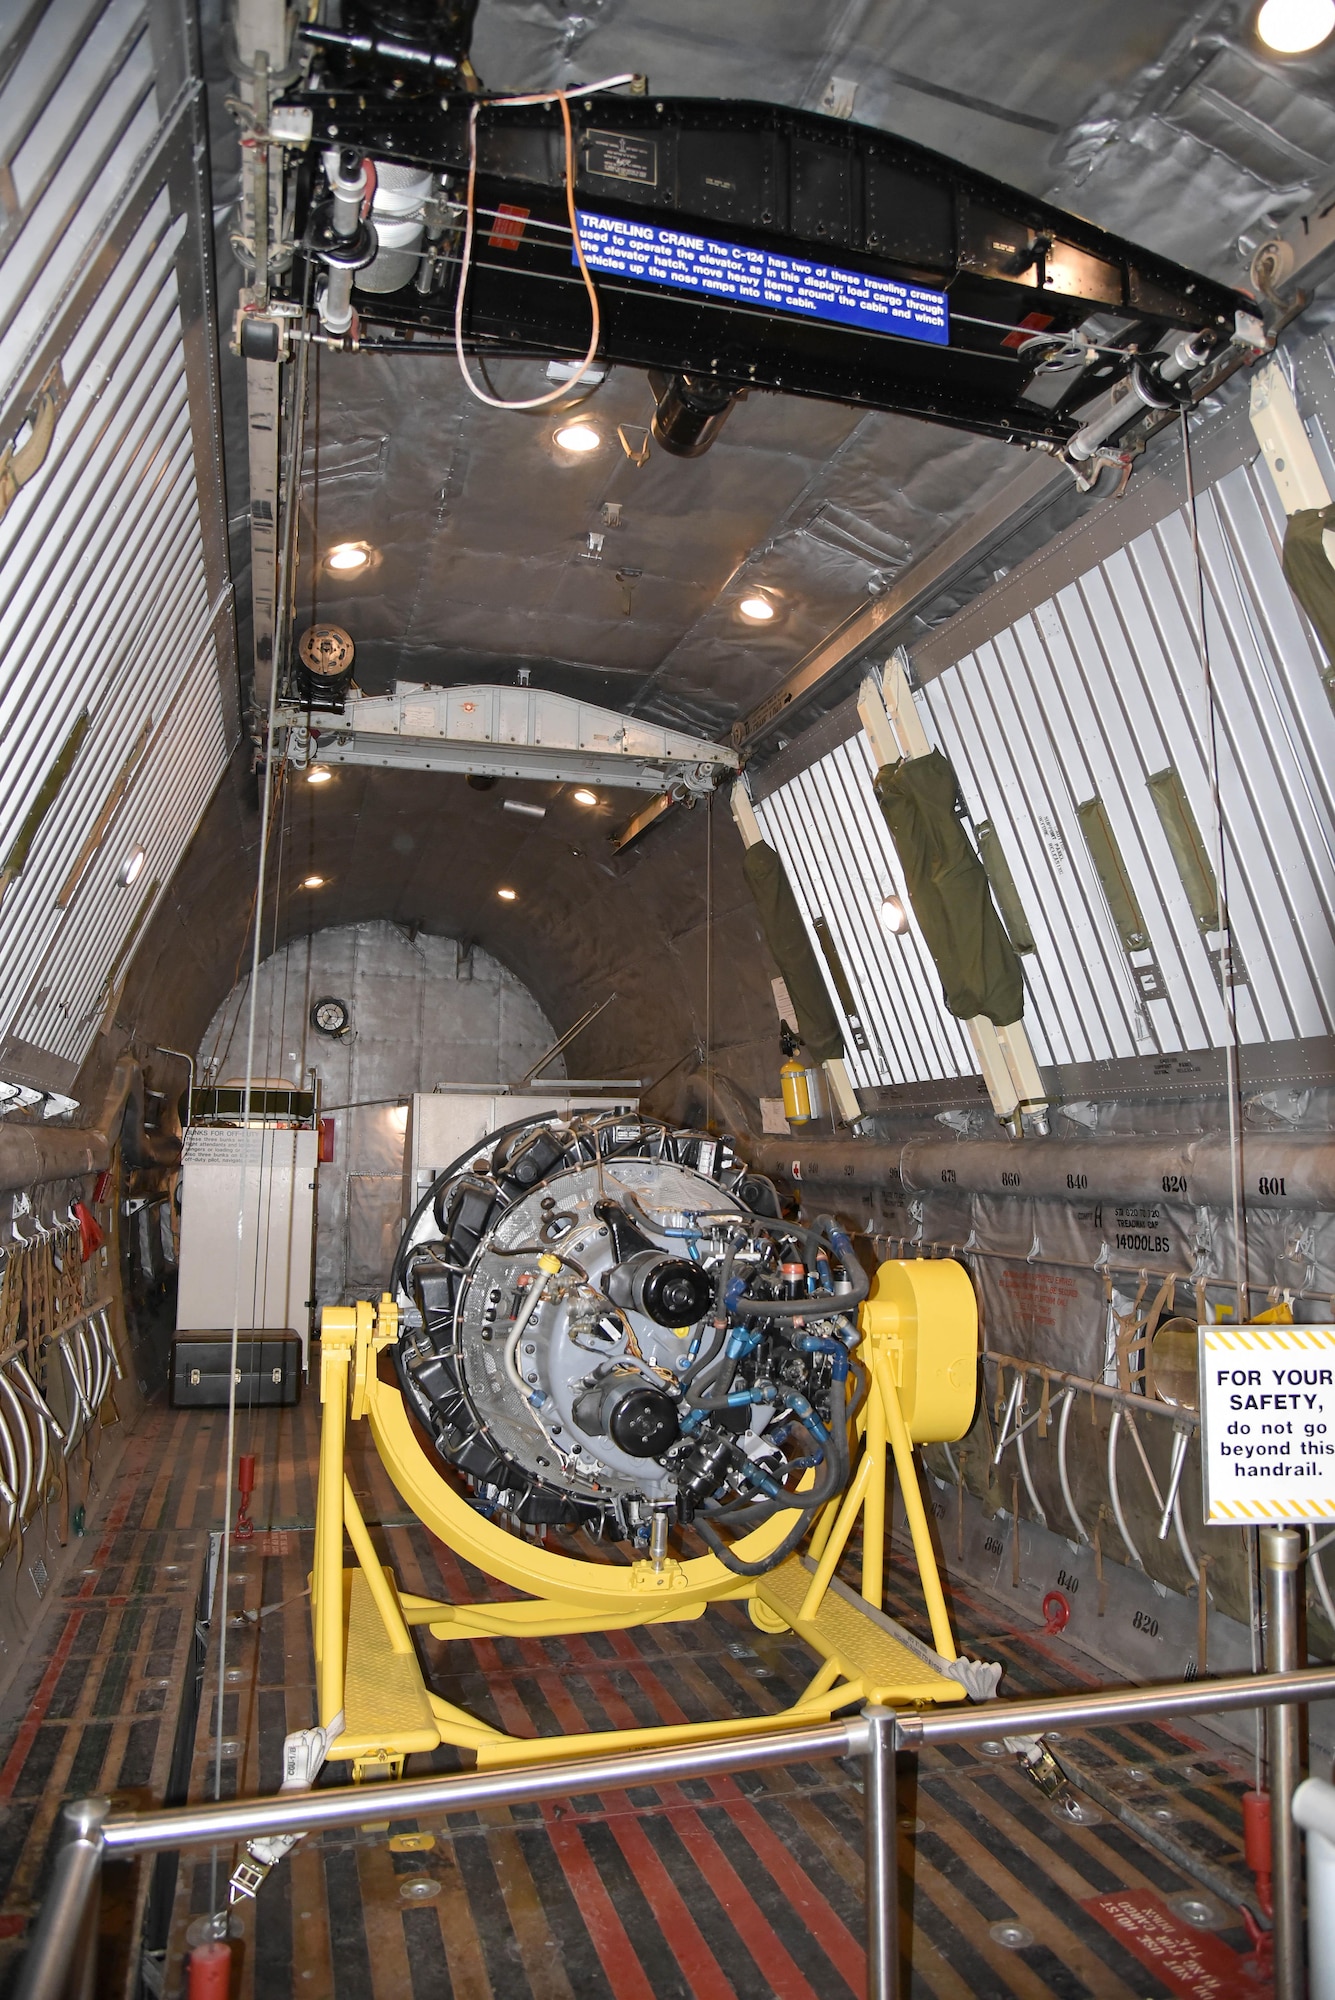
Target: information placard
1267 1423
731 271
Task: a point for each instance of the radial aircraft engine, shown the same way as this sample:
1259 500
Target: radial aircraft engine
609 1324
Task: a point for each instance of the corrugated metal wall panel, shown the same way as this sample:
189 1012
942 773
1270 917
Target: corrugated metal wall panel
837 851
70 996
112 580
1087 695
76 156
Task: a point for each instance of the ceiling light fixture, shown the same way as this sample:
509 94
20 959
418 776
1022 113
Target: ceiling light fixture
319 774
313 882
348 556
584 797
131 868
577 438
757 608
1292 27
894 917
506 895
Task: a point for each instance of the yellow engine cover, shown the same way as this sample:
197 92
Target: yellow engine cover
925 1310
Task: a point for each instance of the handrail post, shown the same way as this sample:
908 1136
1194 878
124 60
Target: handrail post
1281 1553
878 1767
61 1961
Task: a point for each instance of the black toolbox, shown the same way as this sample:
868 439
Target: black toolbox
268 1369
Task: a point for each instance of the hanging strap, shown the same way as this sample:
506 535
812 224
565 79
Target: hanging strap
1135 1330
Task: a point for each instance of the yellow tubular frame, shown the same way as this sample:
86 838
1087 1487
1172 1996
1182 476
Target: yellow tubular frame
919 1389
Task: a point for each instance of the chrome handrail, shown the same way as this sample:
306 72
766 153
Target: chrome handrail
60 1959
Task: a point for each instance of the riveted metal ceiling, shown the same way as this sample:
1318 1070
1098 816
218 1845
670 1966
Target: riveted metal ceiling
1164 122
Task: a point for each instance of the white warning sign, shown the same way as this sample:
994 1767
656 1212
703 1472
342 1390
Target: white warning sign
1267 1423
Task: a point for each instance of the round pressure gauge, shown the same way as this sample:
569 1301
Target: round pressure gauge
331 1017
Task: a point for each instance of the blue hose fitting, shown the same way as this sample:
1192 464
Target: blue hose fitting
753 1476
802 1409
814 1343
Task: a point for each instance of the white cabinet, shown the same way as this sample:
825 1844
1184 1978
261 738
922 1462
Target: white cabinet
264 1179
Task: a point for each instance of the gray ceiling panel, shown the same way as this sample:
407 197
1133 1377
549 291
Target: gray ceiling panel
1152 118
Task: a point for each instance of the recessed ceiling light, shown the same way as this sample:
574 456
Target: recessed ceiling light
131 868
1292 27
584 797
313 882
757 606
894 917
348 556
577 437
506 895
319 774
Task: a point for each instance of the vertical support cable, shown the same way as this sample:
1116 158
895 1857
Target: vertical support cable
709 958
1231 1046
282 611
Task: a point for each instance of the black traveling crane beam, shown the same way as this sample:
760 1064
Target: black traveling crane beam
743 246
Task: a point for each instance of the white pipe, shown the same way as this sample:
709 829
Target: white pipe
1315 1564
1034 1500
1064 1471
26 1455
1114 1492
1182 1542
1006 1433
1314 1811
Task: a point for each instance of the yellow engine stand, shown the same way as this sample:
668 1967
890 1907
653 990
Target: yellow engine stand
919 1344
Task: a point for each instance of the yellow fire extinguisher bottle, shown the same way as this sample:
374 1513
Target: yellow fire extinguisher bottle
796 1092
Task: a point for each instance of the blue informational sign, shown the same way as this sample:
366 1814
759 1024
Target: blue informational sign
762 278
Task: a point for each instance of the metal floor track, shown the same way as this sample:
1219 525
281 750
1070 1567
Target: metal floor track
723 1889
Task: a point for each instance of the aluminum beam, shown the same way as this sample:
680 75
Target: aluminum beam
508 732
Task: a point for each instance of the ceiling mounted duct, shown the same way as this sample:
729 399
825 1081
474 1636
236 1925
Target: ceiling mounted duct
691 411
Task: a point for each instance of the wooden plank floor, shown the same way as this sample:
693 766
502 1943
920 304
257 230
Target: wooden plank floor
746 1887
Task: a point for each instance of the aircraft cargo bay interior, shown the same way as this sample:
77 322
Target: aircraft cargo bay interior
667 1000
